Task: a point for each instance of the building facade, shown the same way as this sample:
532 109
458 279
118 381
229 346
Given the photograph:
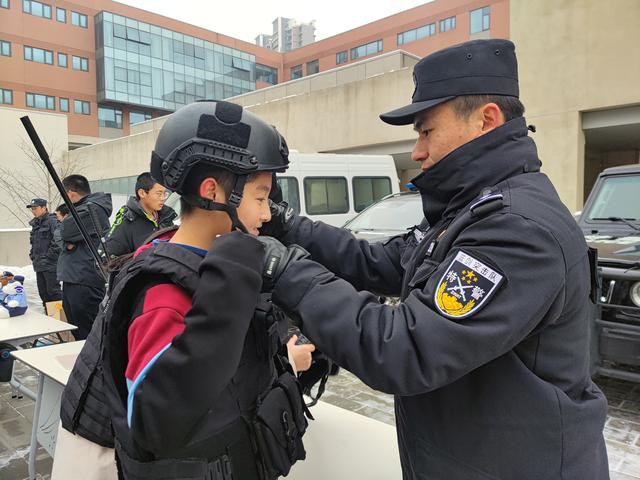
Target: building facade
106 65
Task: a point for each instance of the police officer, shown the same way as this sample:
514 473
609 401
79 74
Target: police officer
487 353
44 251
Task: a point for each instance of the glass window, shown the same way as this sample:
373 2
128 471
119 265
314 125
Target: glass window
296 72
394 214
4 4
38 55
78 19
137 117
61 15
326 195
480 19
367 190
617 197
313 67
368 49
342 57
36 9
109 117
80 63
266 74
416 34
6 96
35 100
290 191
81 107
447 24
64 104
5 48
62 59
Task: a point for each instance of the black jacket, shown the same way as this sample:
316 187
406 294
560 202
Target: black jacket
502 391
77 264
132 227
44 250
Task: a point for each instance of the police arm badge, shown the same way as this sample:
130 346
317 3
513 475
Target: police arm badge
465 286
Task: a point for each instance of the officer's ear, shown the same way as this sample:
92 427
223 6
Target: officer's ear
492 117
211 189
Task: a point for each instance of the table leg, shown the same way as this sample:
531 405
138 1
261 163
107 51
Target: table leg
34 429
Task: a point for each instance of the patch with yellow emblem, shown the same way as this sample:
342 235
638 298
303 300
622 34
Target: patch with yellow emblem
465 286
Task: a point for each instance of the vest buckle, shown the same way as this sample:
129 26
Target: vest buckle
220 469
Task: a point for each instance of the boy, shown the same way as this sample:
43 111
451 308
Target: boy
190 366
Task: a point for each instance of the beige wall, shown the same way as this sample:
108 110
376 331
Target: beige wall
574 56
23 179
14 247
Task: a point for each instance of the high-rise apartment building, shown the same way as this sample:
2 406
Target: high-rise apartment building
106 65
287 35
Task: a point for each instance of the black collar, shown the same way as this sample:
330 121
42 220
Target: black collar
485 161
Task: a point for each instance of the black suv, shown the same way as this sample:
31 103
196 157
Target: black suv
611 223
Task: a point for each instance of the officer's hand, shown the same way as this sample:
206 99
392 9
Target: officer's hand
283 220
277 259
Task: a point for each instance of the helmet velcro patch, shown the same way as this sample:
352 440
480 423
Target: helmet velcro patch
237 134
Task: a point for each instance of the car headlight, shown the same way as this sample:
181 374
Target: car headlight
634 293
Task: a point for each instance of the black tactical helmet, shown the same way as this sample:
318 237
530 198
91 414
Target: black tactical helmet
219 134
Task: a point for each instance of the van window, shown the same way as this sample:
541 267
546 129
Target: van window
290 192
367 190
326 195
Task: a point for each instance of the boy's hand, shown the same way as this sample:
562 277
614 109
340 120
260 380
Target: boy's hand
277 259
300 354
283 220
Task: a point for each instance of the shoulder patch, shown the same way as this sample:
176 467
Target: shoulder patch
466 285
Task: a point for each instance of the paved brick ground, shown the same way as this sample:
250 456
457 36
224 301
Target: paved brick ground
622 430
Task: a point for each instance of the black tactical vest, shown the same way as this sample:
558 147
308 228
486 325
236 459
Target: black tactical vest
254 429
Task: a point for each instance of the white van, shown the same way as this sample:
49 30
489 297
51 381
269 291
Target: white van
335 187
332 187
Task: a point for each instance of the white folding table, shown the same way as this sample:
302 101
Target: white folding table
344 445
54 364
27 328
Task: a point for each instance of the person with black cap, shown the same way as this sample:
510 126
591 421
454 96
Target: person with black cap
488 351
44 251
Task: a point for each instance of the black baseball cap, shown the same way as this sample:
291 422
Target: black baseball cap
478 67
6 274
37 202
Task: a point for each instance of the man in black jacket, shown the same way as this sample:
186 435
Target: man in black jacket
44 251
83 285
140 217
488 351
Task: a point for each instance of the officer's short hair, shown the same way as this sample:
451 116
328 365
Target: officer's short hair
76 183
145 182
63 209
464 105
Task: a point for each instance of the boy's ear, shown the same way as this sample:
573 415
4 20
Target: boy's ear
211 190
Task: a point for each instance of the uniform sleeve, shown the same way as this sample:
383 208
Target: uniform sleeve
189 373
54 247
413 348
367 266
69 228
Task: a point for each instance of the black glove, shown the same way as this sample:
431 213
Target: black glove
283 220
277 259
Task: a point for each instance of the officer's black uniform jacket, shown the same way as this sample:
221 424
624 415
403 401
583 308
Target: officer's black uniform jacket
78 265
132 227
502 394
44 250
